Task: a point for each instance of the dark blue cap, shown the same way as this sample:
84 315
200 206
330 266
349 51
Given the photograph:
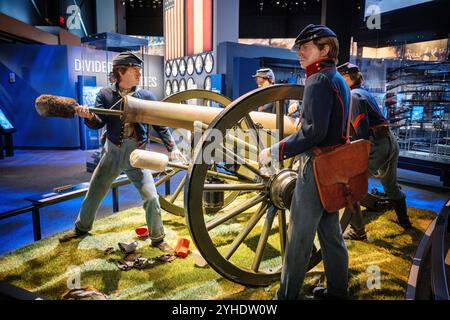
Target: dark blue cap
311 32
127 59
347 68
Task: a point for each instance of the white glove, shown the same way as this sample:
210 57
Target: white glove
176 154
265 157
293 108
83 112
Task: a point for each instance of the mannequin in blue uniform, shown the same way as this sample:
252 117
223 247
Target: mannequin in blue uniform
265 77
369 123
121 139
322 124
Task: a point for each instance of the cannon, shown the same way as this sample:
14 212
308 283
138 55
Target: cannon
267 194
172 203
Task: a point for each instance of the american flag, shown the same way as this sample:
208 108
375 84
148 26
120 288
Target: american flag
174 28
199 15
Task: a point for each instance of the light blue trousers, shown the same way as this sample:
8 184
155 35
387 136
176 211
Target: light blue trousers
307 218
114 161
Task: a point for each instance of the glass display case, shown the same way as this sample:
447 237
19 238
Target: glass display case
419 112
411 83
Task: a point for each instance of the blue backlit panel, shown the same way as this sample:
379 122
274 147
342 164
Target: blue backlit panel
391 5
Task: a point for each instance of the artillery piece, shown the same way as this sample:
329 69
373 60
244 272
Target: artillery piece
269 194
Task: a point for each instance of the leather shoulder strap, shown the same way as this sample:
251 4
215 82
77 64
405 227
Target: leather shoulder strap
349 119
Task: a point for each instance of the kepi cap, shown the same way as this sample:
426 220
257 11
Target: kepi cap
347 68
311 32
266 73
127 59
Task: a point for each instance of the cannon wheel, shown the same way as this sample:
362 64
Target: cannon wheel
168 202
257 264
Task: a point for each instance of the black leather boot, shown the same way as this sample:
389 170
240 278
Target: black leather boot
356 230
73 234
355 234
401 211
321 293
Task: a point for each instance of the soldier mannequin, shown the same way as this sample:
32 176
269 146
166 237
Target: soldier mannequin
369 123
265 77
122 139
323 123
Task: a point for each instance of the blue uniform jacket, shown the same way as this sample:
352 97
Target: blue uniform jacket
366 114
106 98
324 115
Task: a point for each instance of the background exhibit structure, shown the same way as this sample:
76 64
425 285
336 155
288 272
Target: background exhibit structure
210 50
193 30
43 69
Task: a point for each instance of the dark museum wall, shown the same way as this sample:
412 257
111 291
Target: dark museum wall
22 10
239 80
48 13
146 20
267 19
37 69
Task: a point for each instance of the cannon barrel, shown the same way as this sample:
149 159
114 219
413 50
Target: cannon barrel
177 115
170 114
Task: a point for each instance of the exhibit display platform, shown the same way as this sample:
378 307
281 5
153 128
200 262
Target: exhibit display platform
50 269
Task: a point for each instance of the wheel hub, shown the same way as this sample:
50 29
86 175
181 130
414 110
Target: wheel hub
281 188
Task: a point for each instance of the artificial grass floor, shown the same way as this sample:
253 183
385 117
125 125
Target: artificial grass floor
48 267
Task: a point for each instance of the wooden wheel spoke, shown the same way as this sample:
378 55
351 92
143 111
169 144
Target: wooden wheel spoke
178 190
280 122
282 230
235 212
239 175
234 187
263 238
166 178
240 161
247 229
254 131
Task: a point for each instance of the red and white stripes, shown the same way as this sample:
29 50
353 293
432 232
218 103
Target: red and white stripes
174 28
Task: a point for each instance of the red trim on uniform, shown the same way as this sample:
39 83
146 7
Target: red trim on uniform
135 134
378 115
358 119
343 113
282 150
330 68
316 67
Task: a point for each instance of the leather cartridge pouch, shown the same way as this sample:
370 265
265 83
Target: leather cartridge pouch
342 173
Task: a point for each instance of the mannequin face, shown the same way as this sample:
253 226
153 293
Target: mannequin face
130 78
262 82
349 81
309 53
